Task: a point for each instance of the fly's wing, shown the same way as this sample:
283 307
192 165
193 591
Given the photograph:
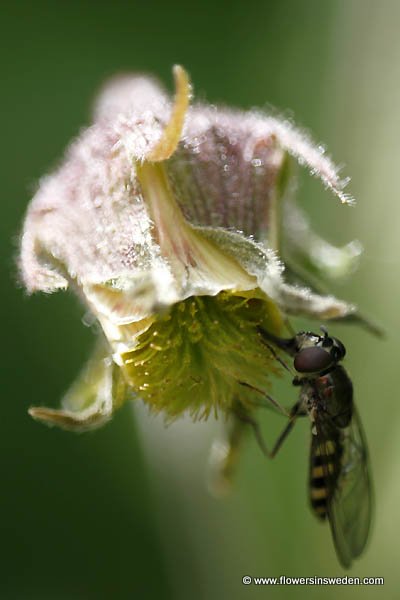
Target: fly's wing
350 509
349 502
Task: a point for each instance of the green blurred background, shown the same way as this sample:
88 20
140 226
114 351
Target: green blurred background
124 512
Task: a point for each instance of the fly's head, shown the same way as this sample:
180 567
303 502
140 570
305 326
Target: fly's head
316 354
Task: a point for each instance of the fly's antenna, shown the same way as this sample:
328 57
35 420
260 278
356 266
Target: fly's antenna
327 341
324 331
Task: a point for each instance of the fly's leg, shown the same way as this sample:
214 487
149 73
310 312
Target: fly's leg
225 452
249 420
287 346
278 358
294 413
224 456
270 399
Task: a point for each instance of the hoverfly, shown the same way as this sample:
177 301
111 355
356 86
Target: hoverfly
339 481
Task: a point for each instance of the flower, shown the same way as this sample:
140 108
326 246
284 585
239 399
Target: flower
173 224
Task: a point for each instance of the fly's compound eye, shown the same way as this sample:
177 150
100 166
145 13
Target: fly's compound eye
312 360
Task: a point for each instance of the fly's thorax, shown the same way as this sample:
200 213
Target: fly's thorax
335 393
307 397
327 398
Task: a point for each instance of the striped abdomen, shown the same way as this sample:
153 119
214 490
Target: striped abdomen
324 470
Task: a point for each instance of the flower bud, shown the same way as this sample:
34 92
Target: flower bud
169 223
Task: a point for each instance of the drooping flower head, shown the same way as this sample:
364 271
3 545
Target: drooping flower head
174 225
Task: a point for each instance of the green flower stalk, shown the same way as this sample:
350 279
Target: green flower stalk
174 224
